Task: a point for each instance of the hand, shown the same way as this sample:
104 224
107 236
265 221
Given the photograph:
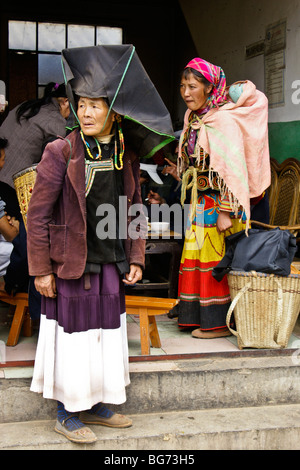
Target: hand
45 285
134 275
154 198
171 170
13 222
9 227
223 222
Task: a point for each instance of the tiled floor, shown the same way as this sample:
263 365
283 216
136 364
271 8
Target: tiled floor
173 342
177 342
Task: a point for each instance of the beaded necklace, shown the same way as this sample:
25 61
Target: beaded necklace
122 146
88 148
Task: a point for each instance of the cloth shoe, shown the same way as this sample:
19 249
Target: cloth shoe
71 427
81 435
99 414
198 333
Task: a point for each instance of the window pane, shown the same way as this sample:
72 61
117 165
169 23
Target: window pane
81 36
107 35
22 35
50 69
51 37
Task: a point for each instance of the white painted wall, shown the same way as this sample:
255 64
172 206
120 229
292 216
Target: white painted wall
222 29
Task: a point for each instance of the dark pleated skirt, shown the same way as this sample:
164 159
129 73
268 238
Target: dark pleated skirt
94 301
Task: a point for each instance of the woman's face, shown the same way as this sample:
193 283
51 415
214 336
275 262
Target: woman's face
92 114
64 107
194 92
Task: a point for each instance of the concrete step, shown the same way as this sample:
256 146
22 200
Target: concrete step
248 428
178 385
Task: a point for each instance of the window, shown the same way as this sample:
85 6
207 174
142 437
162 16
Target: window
48 39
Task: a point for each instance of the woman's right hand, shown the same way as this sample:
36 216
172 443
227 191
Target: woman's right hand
46 285
224 222
154 198
171 170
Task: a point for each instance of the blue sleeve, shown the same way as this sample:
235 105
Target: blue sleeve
2 208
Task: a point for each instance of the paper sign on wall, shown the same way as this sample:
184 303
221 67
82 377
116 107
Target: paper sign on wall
275 44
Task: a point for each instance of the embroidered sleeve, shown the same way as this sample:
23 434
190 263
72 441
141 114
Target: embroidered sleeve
225 203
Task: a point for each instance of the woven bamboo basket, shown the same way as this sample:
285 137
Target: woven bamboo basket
24 182
266 308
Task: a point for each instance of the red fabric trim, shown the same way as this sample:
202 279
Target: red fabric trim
202 329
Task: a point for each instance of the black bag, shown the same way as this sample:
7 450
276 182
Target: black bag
264 251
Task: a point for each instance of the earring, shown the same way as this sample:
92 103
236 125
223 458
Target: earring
119 134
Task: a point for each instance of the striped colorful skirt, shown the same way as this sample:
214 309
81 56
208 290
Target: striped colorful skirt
82 351
204 302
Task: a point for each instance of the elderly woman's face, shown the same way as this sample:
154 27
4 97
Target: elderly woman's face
92 113
193 92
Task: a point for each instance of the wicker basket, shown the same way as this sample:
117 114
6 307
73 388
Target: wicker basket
24 182
266 308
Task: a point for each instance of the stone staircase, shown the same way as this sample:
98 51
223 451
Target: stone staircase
213 403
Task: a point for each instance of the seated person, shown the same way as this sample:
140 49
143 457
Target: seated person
9 226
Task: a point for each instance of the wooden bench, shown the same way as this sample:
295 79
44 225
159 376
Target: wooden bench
147 308
21 316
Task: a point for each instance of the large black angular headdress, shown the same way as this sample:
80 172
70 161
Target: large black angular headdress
116 72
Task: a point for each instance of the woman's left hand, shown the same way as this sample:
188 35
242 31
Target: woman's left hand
134 275
223 222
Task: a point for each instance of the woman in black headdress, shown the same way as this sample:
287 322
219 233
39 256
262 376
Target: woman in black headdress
82 253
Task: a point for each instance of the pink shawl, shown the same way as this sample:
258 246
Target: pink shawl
236 138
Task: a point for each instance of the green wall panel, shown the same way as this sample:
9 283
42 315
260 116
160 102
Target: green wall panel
284 140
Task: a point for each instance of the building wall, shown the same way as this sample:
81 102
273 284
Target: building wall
222 29
157 29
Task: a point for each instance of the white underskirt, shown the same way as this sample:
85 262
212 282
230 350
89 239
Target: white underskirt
81 369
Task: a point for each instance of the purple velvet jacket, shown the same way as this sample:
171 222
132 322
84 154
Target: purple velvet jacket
56 220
